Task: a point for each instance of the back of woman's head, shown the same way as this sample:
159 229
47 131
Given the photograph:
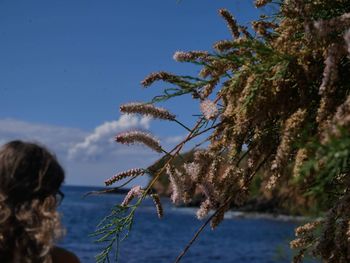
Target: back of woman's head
30 178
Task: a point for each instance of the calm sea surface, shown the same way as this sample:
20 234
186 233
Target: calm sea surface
154 240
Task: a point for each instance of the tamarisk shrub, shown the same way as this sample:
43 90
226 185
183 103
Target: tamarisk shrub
277 95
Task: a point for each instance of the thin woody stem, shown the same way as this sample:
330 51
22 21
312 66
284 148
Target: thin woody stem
183 125
195 236
164 151
109 190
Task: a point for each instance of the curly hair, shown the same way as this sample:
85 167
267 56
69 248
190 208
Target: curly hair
30 178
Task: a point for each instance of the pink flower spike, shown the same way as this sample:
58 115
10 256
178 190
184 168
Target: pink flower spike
147 109
139 137
125 174
136 191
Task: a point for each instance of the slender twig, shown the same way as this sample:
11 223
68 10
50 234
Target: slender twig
206 130
195 236
201 142
109 190
183 125
208 138
257 169
245 154
164 151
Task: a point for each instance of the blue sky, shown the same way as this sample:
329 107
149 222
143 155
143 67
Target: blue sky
66 66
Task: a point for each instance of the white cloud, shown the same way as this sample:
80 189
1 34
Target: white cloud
88 157
100 140
56 138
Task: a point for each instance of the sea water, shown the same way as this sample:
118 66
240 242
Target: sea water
152 240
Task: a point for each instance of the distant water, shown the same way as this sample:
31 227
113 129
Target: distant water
153 240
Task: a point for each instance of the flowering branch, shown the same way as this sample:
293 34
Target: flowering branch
276 106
